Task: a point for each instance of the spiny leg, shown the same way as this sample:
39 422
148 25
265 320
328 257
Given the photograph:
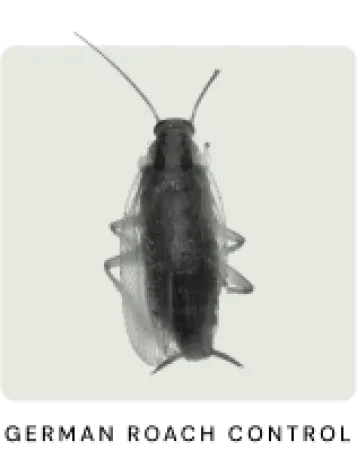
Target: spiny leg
236 283
236 240
119 227
128 257
233 240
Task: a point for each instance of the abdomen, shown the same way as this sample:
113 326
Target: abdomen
181 255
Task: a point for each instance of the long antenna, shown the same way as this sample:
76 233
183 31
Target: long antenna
204 90
143 96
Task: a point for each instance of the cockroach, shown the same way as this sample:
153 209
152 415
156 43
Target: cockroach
174 246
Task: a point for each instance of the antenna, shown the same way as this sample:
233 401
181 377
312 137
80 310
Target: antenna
143 96
204 90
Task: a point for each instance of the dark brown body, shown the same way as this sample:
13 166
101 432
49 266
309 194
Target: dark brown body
181 255
173 259
173 247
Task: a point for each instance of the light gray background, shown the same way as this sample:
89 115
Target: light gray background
280 123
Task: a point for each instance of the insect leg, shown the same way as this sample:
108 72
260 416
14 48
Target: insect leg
119 227
234 240
111 263
236 283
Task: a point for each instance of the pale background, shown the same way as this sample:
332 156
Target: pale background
280 123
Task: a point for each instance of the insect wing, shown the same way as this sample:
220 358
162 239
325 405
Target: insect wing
217 203
219 224
228 241
150 341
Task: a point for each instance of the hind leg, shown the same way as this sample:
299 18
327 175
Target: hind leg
120 229
236 283
125 258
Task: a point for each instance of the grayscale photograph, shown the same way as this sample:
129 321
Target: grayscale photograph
178 222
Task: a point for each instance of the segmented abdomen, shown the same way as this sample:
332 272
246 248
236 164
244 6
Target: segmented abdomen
182 266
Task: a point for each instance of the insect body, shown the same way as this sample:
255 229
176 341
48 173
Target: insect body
173 248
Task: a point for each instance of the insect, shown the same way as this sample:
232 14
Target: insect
174 247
